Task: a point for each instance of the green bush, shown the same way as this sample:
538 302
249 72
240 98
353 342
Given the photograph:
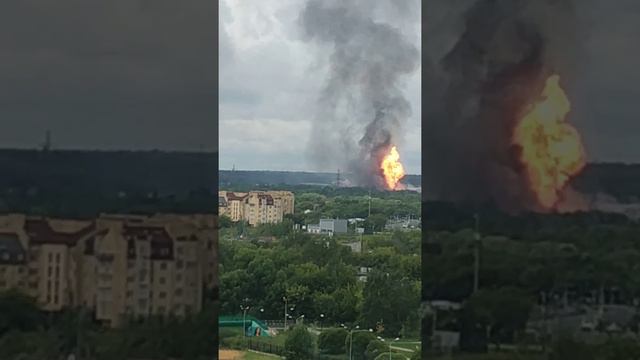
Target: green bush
360 342
332 341
232 342
300 344
375 348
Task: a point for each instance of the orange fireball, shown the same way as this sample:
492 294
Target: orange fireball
552 150
392 168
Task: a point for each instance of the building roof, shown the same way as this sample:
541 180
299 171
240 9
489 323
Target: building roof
234 196
40 232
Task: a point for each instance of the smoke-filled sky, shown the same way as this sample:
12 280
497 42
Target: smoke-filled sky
602 80
271 76
117 74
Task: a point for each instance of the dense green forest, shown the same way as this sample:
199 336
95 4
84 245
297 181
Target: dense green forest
321 272
526 259
84 183
255 177
323 277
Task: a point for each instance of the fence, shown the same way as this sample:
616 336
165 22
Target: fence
265 347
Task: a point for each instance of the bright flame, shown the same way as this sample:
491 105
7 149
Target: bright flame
552 150
392 168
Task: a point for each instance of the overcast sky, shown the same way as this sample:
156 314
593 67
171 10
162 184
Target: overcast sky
270 80
117 74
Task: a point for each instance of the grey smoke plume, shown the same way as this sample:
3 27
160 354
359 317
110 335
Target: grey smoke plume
479 77
362 109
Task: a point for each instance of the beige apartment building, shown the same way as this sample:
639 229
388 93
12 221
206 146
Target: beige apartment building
119 266
256 207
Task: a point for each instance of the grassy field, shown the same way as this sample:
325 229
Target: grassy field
409 345
490 356
258 356
245 355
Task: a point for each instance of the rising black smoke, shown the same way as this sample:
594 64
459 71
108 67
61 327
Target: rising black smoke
362 109
477 81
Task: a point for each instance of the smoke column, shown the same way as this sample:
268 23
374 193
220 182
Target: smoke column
479 79
361 110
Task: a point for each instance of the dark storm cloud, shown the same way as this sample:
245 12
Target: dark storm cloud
108 74
470 41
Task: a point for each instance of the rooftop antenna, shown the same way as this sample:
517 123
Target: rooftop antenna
233 168
338 179
46 146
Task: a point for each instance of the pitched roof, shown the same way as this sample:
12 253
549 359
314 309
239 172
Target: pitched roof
40 232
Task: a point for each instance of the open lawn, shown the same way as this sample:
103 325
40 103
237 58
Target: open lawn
225 354
490 356
409 345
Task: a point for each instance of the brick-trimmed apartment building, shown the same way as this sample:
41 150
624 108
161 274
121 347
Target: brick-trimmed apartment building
256 207
117 265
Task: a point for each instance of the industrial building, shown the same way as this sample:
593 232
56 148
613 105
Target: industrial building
328 227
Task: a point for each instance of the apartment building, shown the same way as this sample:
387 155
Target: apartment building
256 207
119 266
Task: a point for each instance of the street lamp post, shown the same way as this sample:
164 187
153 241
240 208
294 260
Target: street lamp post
284 298
476 253
351 332
321 320
244 319
391 342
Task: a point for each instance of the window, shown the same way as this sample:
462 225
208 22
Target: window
129 293
163 295
178 277
163 265
50 271
163 280
178 292
58 257
161 309
179 264
50 257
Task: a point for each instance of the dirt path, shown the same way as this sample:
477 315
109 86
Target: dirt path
229 355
